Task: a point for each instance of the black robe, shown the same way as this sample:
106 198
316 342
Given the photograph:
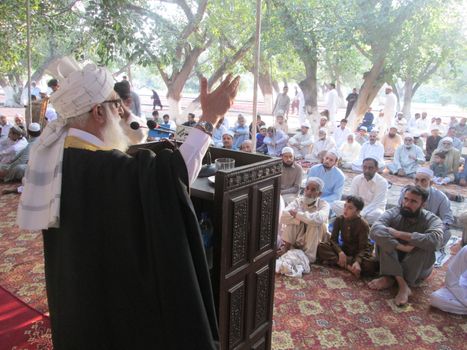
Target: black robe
127 269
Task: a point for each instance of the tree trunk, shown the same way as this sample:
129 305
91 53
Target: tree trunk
372 83
265 84
309 86
408 95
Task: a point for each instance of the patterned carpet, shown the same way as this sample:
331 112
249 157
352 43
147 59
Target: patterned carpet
330 309
327 309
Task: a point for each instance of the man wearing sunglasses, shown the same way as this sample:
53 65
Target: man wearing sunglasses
124 261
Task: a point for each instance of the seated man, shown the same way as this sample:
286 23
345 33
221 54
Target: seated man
291 177
368 119
332 177
437 202
452 159
372 188
341 133
324 144
349 152
356 252
261 147
401 123
406 239
246 146
407 158
456 142
228 140
323 124
17 168
190 120
432 142
301 143
281 123
305 220
12 146
391 141
370 149
217 133
453 297
166 124
241 131
275 140
361 136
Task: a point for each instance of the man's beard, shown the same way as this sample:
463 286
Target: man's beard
446 148
113 135
407 213
309 200
391 135
408 147
286 165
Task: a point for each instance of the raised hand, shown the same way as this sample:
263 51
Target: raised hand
215 104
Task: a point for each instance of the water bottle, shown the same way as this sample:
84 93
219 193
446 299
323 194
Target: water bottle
207 233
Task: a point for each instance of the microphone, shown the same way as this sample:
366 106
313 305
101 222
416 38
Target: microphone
151 125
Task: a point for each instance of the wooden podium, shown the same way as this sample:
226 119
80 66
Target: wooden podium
243 205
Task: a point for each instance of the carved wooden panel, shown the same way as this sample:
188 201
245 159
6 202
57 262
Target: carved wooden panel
266 220
263 290
260 344
240 210
236 313
244 177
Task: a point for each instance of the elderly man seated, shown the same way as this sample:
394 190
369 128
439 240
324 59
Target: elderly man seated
349 152
331 175
452 155
306 220
370 149
321 146
302 142
406 238
241 131
391 141
437 202
407 158
372 188
291 177
12 146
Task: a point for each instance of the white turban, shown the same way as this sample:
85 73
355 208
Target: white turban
80 89
317 181
287 150
446 139
230 133
306 124
425 171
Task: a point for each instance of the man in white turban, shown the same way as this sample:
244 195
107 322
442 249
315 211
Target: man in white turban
306 220
111 222
452 159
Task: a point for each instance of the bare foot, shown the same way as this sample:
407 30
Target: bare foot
402 297
381 283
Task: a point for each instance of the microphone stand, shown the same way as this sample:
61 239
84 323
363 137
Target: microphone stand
207 169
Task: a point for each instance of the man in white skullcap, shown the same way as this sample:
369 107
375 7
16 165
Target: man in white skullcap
407 158
306 221
12 146
291 178
111 222
437 202
301 142
228 139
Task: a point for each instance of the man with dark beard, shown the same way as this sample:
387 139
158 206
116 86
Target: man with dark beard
406 239
291 177
125 266
391 141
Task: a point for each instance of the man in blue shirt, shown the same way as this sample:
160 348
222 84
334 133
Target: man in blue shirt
332 176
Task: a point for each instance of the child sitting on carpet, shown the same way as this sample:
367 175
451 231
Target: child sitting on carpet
355 251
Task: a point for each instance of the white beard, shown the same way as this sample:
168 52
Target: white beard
309 200
113 135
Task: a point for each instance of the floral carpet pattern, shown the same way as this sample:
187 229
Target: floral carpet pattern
330 309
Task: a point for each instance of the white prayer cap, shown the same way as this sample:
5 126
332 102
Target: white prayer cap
228 132
34 127
306 124
80 89
316 180
425 171
323 130
393 126
287 150
280 113
408 136
363 128
446 139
